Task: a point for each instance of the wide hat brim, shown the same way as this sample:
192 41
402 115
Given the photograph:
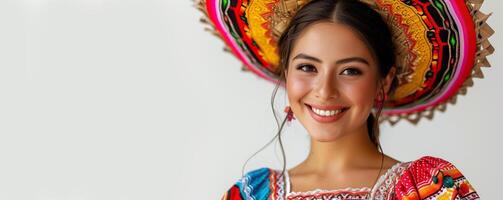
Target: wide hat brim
441 45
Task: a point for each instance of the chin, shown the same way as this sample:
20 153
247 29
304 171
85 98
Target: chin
325 137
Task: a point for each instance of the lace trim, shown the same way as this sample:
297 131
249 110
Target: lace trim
323 191
280 183
385 183
348 189
247 187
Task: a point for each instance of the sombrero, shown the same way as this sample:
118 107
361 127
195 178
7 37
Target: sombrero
441 45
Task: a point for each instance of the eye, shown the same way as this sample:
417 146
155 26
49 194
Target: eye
351 72
306 68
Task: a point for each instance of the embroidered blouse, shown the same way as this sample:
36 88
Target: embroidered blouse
425 178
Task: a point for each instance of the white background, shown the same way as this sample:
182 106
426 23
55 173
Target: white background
130 99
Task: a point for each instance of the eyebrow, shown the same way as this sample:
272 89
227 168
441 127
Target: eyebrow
341 61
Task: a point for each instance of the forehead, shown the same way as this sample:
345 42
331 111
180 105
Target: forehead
330 41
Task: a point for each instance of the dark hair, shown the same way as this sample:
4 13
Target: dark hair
372 30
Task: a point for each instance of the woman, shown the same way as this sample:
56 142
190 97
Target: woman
337 62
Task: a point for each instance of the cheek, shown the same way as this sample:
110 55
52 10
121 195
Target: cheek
297 87
360 93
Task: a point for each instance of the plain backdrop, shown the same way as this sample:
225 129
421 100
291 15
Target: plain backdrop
133 100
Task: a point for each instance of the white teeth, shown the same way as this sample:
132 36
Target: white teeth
326 112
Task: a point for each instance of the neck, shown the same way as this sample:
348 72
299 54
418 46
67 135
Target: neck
354 150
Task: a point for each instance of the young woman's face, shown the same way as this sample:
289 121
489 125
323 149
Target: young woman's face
331 81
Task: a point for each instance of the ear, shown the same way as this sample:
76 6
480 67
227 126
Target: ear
388 80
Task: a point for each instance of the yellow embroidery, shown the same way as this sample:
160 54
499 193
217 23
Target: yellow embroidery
415 41
259 29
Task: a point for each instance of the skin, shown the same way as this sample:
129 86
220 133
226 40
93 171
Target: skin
330 65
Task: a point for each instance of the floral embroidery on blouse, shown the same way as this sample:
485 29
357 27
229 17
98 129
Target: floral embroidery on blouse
425 178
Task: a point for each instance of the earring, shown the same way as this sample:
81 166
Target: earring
289 113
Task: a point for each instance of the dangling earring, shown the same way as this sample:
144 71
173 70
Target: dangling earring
289 114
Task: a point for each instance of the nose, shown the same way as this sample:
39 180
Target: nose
326 88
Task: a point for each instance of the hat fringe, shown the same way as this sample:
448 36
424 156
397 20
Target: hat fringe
210 27
484 49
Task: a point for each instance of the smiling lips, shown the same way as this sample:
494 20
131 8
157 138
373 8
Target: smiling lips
326 114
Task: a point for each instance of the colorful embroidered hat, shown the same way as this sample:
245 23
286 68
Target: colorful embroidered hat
441 45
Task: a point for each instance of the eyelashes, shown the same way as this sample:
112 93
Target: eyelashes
306 68
350 71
